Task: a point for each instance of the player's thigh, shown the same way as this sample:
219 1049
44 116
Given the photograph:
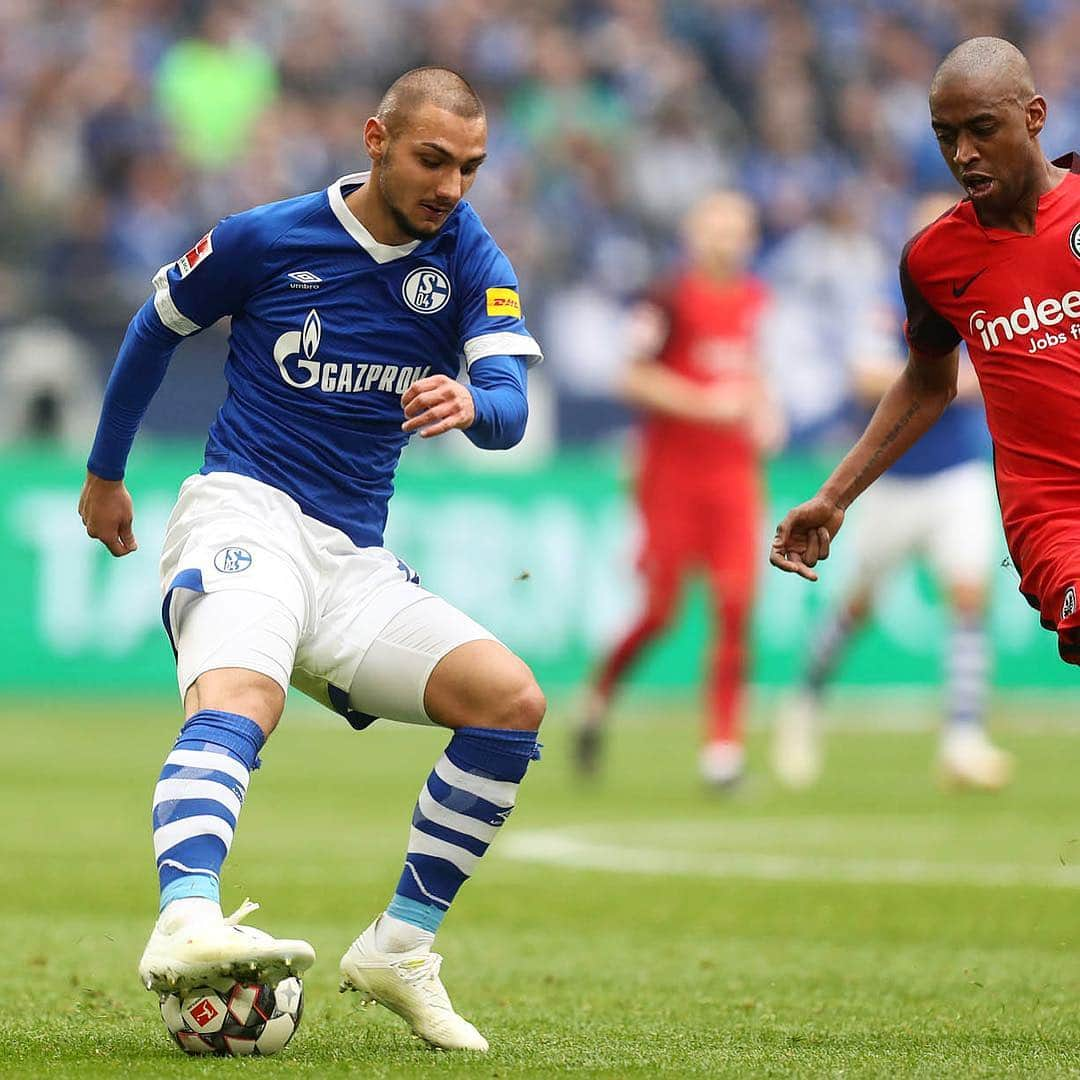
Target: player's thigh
484 684
433 664
238 588
234 652
666 555
888 525
961 548
731 548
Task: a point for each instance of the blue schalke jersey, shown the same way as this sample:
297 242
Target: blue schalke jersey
329 329
959 436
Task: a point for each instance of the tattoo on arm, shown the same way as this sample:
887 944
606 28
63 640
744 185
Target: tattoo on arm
870 468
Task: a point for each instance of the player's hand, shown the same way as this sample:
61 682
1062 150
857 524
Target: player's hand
723 406
768 429
804 536
107 512
437 404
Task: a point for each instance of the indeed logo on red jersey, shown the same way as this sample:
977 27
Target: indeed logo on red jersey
1028 318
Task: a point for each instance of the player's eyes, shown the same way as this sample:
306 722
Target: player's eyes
945 136
430 163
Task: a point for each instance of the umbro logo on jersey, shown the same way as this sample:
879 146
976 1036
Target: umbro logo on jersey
1074 240
958 289
304 279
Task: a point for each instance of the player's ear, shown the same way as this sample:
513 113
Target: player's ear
1035 115
376 138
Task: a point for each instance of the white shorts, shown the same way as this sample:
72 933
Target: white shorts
250 581
949 518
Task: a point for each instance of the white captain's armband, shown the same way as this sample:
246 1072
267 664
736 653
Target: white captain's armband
164 305
505 343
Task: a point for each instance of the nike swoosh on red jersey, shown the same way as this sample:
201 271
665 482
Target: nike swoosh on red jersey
959 290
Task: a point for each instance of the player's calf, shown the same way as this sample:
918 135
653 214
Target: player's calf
197 804
490 699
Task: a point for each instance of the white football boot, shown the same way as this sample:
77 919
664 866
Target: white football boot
408 984
796 745
192 943
722 763
968 759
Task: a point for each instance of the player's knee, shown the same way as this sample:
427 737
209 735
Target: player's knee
968 599
858 607
234 690
522 709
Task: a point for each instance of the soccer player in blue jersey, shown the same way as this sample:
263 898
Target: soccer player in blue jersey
937 501
351 308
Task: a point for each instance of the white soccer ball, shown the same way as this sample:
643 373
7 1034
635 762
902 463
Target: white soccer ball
232 1019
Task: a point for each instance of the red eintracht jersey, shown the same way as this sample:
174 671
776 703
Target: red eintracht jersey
1015 300
712 332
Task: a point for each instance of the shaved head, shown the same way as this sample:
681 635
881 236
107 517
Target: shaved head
987 118
989 62
438 86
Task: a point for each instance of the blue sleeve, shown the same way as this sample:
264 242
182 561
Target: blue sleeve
216 277
140 366
497 385
213 279
490 322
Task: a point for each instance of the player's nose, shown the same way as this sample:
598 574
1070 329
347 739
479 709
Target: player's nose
451 186
965 152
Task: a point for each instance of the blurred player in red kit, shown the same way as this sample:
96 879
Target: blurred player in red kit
1000 272
696 377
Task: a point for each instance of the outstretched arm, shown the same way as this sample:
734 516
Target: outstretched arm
909 408
105 505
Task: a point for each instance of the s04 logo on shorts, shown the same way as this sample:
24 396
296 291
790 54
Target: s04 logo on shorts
232 560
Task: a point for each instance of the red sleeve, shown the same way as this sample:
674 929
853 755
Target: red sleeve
925 329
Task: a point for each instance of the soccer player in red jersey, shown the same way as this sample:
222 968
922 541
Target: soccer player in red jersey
1000 271
695 375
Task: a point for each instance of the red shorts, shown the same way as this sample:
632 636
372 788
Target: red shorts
1050 581
714 527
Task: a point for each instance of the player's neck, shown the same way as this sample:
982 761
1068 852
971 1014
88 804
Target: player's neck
717 273
1020 217
372 212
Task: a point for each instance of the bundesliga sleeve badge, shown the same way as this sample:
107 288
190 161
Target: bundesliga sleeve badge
189 260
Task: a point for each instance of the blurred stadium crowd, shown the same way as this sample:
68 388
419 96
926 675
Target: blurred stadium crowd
128 127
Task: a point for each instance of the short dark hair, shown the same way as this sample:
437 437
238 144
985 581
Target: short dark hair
438 86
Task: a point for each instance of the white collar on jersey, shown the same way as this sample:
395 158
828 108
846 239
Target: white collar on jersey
381 253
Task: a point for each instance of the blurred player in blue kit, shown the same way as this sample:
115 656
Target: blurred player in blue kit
937 501
351 308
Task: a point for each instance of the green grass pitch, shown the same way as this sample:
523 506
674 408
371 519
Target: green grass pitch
873 927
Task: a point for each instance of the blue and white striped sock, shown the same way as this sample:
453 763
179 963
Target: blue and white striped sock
968 669
468 795
197 801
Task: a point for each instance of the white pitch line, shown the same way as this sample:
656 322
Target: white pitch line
556 847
